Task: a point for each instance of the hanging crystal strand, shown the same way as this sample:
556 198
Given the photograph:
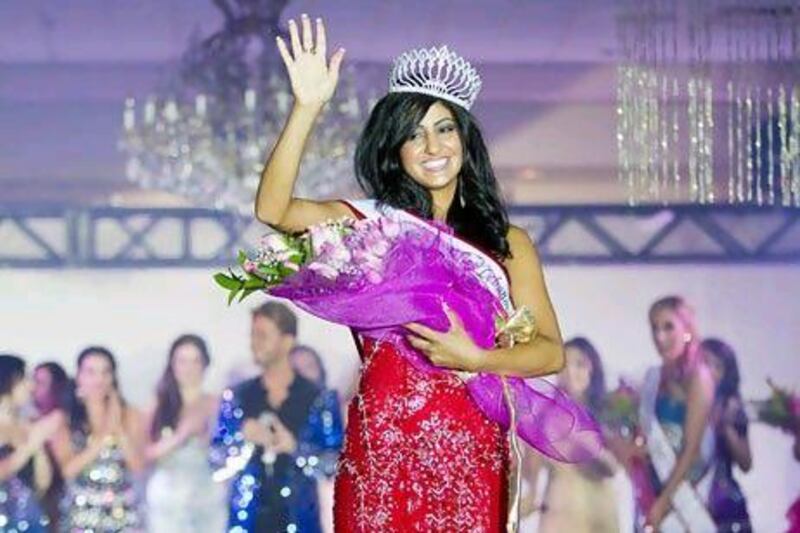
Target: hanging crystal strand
653 136
731 158
741 149
622 152
783 139
794 146
641 134
758 163
626 139
701 142
692 125
770 149
708 146
749 140
633 133
664 119
676 162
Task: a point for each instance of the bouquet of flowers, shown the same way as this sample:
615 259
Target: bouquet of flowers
780 410
342 271
620 412
345 248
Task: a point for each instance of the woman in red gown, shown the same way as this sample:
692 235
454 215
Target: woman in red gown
419 455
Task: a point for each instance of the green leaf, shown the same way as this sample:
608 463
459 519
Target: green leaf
232 295
242 257
227 282
254 283
246 293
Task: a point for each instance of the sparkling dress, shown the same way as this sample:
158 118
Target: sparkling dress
276 493
181 496
20 510
418 455
102 498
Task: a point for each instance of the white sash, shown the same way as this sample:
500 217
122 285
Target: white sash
689 512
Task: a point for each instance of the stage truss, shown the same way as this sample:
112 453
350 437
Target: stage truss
106 237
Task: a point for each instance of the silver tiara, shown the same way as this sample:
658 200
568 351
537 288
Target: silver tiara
437 72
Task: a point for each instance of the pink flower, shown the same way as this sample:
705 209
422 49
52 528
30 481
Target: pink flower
250 266
324 270
324 236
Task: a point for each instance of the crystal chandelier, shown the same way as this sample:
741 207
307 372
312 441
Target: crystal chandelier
205 137
708 101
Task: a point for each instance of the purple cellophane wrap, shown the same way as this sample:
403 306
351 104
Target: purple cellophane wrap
422 271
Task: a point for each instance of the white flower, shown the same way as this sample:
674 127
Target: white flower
276 242
324 270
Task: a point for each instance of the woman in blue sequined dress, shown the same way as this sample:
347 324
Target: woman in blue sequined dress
99 452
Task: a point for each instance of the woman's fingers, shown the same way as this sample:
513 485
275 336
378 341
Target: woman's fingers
336 63
308 37
284 51
295 37
322 40
422 331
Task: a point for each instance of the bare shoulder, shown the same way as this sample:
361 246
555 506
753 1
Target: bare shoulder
701 382
523 249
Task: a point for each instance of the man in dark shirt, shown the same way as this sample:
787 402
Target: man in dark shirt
276 433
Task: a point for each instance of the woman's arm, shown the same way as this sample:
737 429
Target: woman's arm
70 463
313 83
16 461
532 464
544 354
129 438
42 471
737 441
34 447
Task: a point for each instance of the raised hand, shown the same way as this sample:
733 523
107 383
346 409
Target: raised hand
313 80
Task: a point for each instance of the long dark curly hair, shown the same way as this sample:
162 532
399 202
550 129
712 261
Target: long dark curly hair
168 395
483 219
729 383
596 391
12 371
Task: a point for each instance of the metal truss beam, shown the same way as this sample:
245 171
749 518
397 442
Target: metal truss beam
108 237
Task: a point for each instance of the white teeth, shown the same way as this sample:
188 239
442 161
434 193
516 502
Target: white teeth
437 164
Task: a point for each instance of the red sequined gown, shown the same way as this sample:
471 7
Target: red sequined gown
418 454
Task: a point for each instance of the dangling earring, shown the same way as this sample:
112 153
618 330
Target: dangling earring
461 193
687 337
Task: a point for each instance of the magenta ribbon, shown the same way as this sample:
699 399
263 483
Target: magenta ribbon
423 271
